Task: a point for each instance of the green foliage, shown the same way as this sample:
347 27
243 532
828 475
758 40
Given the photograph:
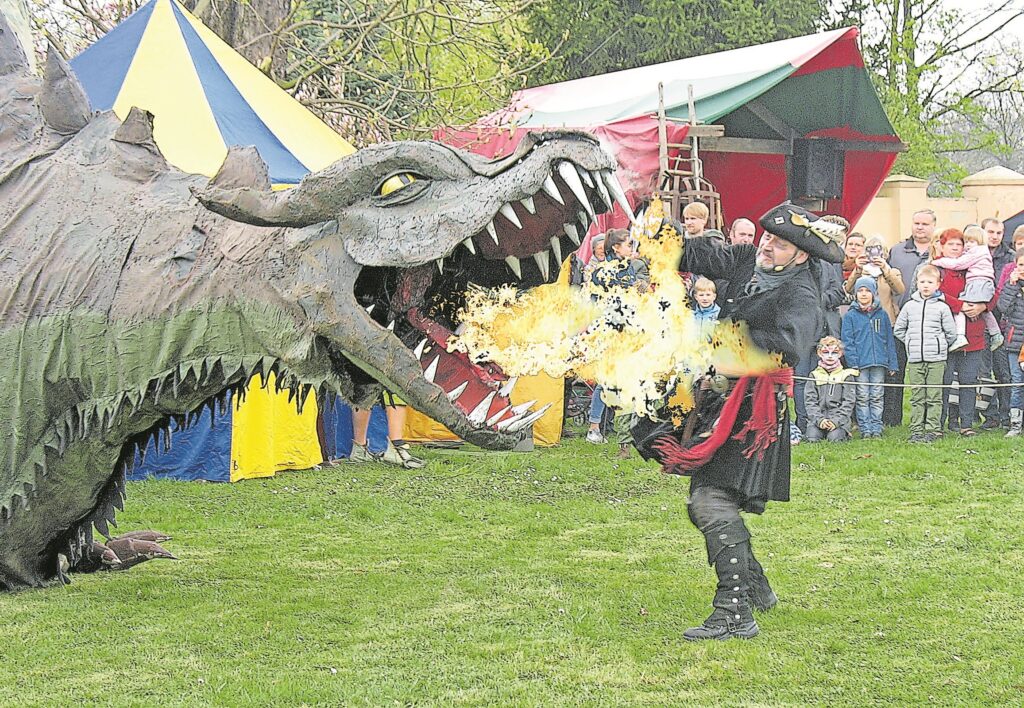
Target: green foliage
561 577
589 37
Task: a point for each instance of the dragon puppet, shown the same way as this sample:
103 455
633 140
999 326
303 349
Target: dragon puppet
133 294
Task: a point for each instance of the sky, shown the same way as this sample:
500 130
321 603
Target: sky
1015 28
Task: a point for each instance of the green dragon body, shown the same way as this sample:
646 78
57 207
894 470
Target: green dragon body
133 294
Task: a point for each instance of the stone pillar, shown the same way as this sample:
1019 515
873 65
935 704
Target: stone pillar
999 192
889 213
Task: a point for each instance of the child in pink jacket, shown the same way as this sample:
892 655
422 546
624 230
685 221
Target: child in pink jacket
980 285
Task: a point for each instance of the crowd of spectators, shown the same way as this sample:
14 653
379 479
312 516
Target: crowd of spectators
940 308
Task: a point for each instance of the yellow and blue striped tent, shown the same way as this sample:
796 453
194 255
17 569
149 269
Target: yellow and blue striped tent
205 97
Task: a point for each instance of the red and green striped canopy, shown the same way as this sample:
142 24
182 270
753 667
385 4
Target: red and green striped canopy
812 86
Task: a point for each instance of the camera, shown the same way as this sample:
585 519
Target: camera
874 251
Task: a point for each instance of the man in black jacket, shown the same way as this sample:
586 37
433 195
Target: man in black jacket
994 361
744 459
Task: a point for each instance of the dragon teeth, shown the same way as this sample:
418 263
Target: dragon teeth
527 202
506 390
513 263
567 171
542 263
431 370
479 414
509 213
572 232
528 420
391 326
497 416
418 352
369 310
468 243
584 221
523 407
454 394
602 190
585 176
440 265
492 232
556 248
551 189
612 182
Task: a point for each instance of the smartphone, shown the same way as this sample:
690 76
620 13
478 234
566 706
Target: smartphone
874 251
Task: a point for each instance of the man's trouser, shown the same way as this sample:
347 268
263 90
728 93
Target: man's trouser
925 403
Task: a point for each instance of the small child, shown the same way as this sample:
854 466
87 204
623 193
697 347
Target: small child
830 396
926 326
980 286
870 348
704 307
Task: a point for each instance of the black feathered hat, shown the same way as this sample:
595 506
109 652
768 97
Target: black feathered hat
805 230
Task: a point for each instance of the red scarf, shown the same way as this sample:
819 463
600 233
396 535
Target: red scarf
763 423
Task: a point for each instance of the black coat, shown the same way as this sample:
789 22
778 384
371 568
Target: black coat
1011 305
786 320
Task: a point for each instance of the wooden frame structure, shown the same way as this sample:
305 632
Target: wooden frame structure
681 178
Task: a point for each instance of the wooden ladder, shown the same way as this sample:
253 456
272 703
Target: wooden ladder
681 171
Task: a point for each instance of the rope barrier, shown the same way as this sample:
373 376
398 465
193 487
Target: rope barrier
980 384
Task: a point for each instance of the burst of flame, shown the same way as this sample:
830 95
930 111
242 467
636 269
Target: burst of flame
644 348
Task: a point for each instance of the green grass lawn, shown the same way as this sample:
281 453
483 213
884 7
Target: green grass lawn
556 577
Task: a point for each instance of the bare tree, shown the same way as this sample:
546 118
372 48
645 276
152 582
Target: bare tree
936 66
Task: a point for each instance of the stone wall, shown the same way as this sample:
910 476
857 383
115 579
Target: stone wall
997 192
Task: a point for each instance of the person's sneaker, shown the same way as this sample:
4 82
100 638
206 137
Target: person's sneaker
594 436
401 458
410 461
360 454
932 437
918 438
795 436
995 341
960 343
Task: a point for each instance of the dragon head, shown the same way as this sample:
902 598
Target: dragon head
424 223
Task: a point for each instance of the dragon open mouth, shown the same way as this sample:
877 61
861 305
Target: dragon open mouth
422 223
523 243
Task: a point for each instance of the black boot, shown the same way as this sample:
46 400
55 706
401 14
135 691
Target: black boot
732 617
762 597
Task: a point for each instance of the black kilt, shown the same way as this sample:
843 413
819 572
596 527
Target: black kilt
756 480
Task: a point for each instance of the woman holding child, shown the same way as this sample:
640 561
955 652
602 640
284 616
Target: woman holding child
966 360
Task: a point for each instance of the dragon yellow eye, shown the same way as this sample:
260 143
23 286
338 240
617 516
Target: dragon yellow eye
395 182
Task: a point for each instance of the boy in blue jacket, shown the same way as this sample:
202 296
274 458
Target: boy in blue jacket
870 348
